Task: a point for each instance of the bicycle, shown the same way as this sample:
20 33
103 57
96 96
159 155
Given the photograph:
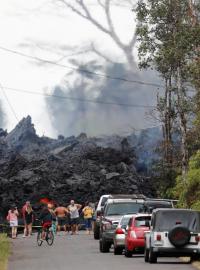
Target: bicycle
49 236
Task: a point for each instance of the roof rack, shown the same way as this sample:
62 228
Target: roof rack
127 196
160 199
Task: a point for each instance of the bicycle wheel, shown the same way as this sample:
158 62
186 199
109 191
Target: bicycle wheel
49 238
39 238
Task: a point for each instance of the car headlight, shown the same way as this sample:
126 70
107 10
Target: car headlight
107 226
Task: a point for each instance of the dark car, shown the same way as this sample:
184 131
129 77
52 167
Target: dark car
151 204
100 207
113 211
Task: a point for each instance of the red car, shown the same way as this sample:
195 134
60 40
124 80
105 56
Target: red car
134 241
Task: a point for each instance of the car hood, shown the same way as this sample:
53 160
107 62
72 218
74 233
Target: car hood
113 218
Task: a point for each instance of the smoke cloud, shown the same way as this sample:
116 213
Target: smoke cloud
2 116
70 117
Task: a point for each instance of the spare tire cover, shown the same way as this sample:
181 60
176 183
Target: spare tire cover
179 236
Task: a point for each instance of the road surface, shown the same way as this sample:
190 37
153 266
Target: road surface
78 252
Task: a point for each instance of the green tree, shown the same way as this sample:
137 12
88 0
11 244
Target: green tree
189 195
167 37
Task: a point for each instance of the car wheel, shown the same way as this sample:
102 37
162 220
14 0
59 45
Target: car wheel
152 256
146 255
194 258
96 231
118 250
128 253
104 247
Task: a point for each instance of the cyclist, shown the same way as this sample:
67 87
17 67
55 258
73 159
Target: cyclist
46 218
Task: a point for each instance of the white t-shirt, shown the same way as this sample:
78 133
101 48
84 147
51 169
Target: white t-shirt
73 211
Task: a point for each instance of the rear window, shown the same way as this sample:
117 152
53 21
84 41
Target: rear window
149 206
122 209
166 220
124 221
141 221
159 205
104 200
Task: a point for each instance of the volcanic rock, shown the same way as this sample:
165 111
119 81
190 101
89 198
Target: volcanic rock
82 168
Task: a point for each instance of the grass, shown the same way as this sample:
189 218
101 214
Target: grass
196 264
4 251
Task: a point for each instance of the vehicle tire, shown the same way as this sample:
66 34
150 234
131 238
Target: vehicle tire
39 238
96 231
146 255
118 250
104 247
50 238
128 253
152 256
195 257
179 236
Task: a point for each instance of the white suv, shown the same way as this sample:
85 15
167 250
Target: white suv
173 233
98 213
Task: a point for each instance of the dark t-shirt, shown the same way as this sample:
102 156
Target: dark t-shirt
46 216
28 217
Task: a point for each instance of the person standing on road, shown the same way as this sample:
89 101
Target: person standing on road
88 214
24 208
74 216
61 213
12 217
54 218
28 220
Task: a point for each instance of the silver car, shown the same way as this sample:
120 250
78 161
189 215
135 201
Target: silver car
119 236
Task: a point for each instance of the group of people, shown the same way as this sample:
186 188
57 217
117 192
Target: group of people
56 217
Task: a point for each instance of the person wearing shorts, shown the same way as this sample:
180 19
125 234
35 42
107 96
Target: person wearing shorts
12 217
61 214
74 216
88 215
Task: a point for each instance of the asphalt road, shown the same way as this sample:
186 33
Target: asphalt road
78 252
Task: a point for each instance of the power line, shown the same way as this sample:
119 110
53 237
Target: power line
79 99
81 69
10 105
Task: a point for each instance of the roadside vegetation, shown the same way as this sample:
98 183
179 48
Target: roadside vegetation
169 42
4 251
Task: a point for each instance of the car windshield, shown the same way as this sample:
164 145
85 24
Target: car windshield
142 221
122 208
166 220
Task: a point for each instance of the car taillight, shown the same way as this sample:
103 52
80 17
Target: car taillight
158 237
119 231
197 238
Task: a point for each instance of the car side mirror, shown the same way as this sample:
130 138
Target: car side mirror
99 212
